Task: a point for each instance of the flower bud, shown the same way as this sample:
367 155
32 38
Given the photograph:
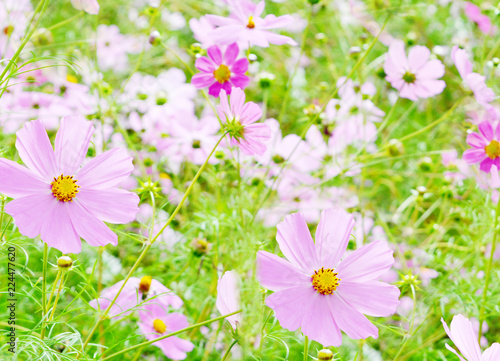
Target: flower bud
200 246
395 147
155 38
265 80
64 262
325 355
145 284
425 164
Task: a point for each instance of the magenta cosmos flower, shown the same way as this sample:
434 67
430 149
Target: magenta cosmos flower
156 322
414 76
239 119
246 25
60 201
462 333
485 147
320 289
221 71
135 292
89 6
228 297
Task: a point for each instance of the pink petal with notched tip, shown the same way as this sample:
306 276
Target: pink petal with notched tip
106 170
332 236
90 228
72 143
462 333
35 150
215 54
492 353
433 69
366 263
58 230
237 101
111 205
231 54
250 113
418 57
18 181
277 274
350 320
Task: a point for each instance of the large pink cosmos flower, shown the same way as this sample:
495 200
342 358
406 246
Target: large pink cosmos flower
156 322
246 25
462 333
136 291
316 290
475 81
228 297
414 76
221 71
485 147
239 119
89 6
473 12
57 199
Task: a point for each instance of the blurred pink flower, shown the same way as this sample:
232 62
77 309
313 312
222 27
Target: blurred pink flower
134 292
246 25
155 321
228 297
113 47
483 22
89 6
57 199
316 290
239 119
485 147
475 81
220 71
414 76
462 333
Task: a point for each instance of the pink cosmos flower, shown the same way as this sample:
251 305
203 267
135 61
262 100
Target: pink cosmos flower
89 6
462 333
228 297
414 76
475 81
483 22
320 289
485 147
156 321
220 71
239 119
57 199
136 291
246 25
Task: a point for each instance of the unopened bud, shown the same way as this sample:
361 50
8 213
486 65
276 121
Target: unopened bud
64 262
325 355
155 38
200 246
145 284
265 79
395 147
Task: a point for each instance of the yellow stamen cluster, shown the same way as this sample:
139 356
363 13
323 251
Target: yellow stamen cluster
222 74
493 149
325 281
159 326
145 284
250 24
64 188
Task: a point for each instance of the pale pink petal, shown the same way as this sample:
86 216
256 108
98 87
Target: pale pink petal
351 321
278 39
462 333
492 353
202 80
18 181
72 143
272 21
226 34
383 297
89 6
433 69
332 236
231 54
417 57
237 101
106 170
91 229
111 205
477 140
223 109
58 230
398 55
277 274
461 60
296 243
486 130
228 297
250 113
472 156
128 298
366 263
35 150
215 54
319 324
205 64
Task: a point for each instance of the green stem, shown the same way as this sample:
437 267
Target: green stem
170 335
306 348
44 285
412 322
150 243
488 272
53 289
64 22
226 355
57 298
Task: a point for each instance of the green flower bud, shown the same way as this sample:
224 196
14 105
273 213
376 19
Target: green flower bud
64 262
325 355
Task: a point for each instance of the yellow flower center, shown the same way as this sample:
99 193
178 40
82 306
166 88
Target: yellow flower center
250 24
159 326
409 77
145 284
64 188
222 74
325 281
493 149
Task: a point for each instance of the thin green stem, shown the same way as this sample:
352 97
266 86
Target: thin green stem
44 286
488 272
412 322
61 282
64 22
53 289
226 355
306 348
170 335
150 243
